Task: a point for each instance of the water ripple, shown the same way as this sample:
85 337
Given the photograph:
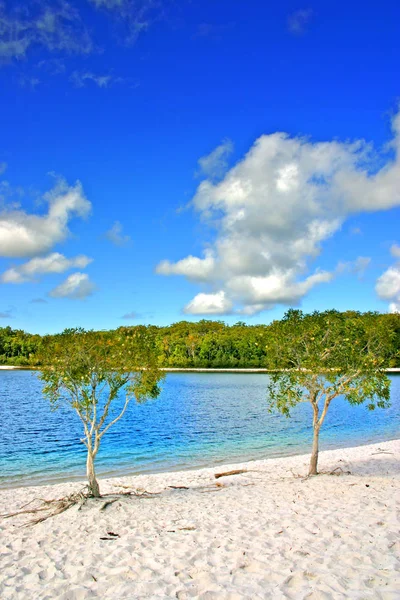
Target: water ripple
199 419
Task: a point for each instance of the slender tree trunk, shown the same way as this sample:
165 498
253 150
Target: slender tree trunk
314 454
94 489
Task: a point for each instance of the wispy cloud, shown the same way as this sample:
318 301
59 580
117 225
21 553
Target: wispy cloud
77 286
28 81
355 267
298 21
3 167
215 164
115 235
132 16
6 315
52 66
55 26
38 301
82 78
131 316
212 30
355 231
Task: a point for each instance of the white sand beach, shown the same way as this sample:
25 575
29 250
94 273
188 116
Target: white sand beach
265 533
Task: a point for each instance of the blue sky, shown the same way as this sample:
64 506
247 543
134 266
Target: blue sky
219 159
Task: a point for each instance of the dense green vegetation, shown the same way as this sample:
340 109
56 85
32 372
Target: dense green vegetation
205 343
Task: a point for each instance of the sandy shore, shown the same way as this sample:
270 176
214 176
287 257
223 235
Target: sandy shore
266 533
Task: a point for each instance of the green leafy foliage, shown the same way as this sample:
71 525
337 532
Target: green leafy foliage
321 356
89 370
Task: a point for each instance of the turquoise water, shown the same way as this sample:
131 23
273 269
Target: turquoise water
199 419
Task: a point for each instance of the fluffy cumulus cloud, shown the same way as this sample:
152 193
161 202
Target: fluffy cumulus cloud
272 212
388 284
34 268
76 287
23 234
194 268
209 304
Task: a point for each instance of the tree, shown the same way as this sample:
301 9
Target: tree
89 370
321 356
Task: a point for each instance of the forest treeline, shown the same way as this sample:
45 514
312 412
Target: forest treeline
206 343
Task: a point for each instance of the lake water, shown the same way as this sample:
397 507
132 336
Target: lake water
199 419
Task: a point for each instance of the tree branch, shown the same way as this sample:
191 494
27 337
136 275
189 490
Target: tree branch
127 400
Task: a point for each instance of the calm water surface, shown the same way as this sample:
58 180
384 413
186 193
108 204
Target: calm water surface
199 419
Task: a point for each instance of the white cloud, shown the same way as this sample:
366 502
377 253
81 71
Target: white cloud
209 304
298 20
274 209
214 165
115 235
3 167
53 263
55 26
388 284
23 234
394 307
77 287
277 287
195 269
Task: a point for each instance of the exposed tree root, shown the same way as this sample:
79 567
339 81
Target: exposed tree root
51 508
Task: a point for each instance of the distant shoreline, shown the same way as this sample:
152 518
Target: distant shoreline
186 370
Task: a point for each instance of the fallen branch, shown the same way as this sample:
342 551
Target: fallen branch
339 471
108 503
226 473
